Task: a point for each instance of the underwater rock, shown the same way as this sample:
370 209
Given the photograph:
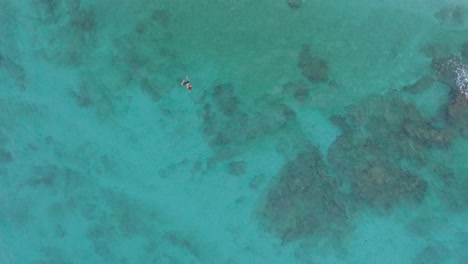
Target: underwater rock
151 89
303 199
298 89
84 20
141 28
5 156
435 50
464 52
315 69
454 15
457 109
225 98
73 6
209 119
451 71
83 97
341 122
454 191
426 134
256 181
278 112
374 141
49 11
229 128
446 67
261 124
287 112
237 168
456 113
14 69
432 254
294 4
163 17
220 140
383 184
422 84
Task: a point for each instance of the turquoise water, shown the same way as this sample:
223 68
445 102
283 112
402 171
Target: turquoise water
316 131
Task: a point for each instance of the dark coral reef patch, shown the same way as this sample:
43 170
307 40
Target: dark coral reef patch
374 164
163 17
225 98
294 4
383 184
453 190
378 163
452 15
229 125
420 85
298 89
446 69
304 199
464 52
378 136
237 168
425 133
313 68
84 20
456 114
451 71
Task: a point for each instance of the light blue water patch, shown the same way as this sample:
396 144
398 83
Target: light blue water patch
318 129
381 240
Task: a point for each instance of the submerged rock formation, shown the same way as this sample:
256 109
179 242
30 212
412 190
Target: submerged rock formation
422 84
294 4
424 133
298 89
382 184
312 67
230 125
456 114
304 199
453 72
378 135
452 15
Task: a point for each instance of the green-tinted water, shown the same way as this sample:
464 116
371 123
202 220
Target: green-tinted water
330 132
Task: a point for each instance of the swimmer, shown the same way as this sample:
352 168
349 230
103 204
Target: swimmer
186 82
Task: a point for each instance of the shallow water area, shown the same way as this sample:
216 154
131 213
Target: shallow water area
319 132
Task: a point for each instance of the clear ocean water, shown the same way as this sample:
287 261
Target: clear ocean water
316 131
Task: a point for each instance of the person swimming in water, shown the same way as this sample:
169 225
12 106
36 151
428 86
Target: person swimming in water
186 82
